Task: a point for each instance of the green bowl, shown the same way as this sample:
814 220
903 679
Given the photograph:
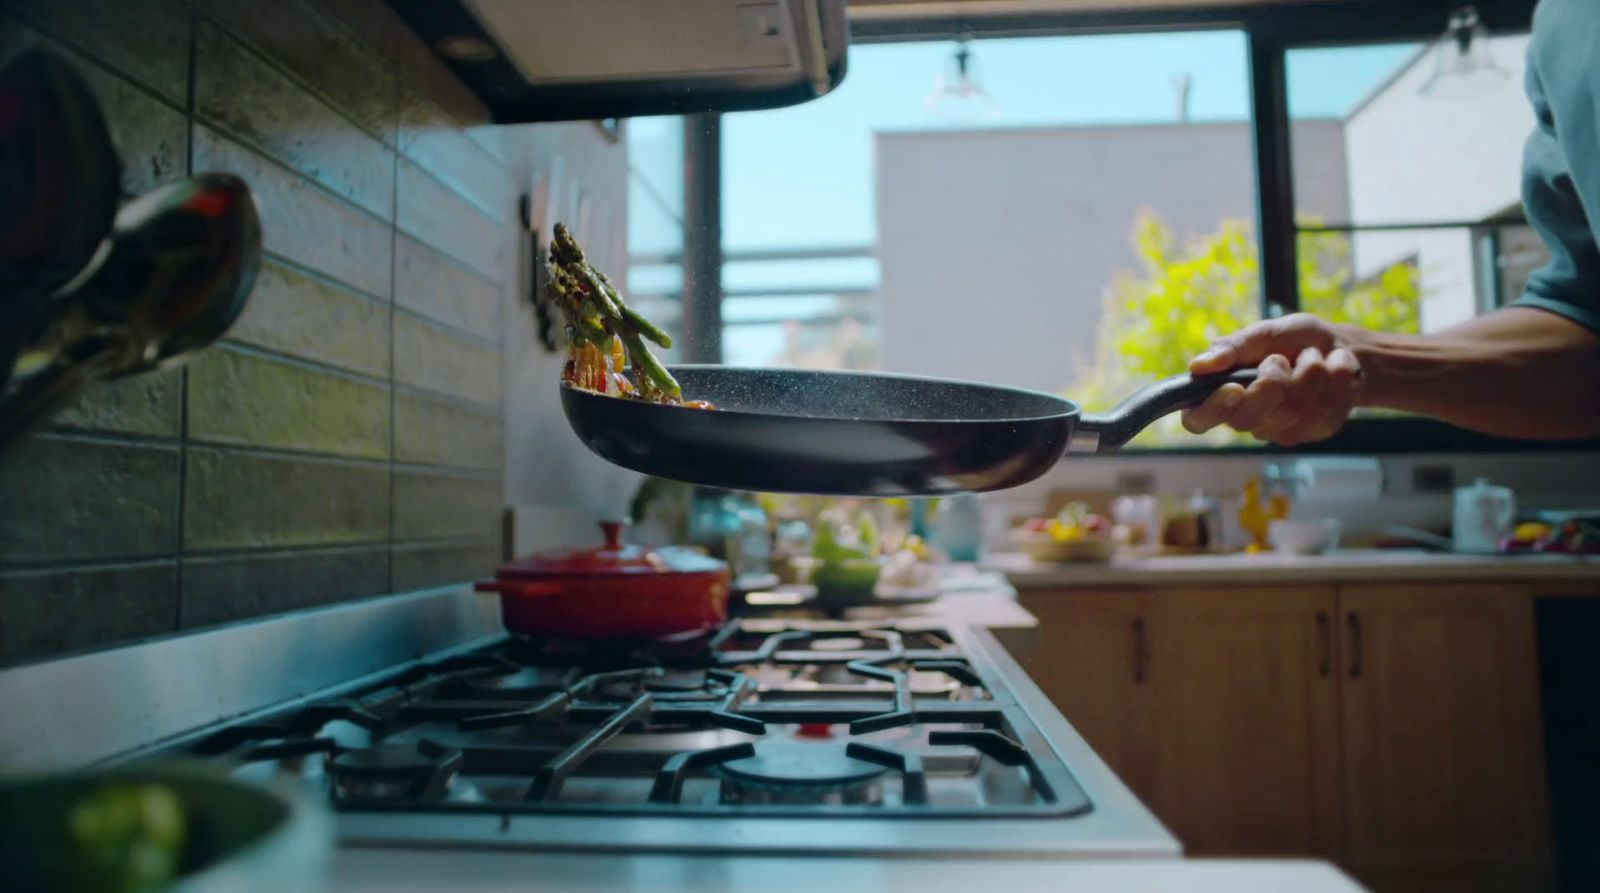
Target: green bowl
235 837
846 584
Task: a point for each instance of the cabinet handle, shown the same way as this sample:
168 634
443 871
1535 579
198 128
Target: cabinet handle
1324 645
1353 622
1141 653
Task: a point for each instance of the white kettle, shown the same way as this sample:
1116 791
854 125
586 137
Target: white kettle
1484 515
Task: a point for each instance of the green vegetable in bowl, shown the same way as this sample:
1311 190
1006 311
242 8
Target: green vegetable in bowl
129 838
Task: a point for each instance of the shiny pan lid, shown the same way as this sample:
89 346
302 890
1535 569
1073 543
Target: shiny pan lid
612 558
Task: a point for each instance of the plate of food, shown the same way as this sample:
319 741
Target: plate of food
1075 534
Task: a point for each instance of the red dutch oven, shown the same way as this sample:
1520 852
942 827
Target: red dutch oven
614 593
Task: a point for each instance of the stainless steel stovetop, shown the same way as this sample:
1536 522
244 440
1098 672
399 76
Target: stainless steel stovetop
773 736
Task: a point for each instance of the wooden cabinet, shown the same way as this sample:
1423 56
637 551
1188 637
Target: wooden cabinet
1090 659
1393 729
1443 755
1247 706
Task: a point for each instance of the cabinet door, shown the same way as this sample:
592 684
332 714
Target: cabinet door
1247 701
1090 658
1444 766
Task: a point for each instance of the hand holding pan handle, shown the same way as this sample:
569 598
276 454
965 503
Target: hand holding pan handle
1107 432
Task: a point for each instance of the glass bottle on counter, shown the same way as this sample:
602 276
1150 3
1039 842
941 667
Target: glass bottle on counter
732 526
960 527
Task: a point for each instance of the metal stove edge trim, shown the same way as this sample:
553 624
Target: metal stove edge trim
94 707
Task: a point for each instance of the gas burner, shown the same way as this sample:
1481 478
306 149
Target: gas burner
801 771
684 649
665 686
525 682
839 643
418 771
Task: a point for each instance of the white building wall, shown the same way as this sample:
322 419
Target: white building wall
1413 159
996 247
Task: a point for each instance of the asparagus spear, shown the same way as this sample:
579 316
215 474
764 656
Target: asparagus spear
596 312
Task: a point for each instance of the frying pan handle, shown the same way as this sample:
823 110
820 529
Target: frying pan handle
1107 432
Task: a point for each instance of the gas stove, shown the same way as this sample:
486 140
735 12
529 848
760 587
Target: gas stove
771 735
765 718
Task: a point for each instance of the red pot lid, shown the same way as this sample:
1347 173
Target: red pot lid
611 559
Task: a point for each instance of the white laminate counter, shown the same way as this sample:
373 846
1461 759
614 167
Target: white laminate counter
416 871
970 597
1363 565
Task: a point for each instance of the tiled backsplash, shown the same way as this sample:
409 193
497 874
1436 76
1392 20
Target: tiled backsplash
346 439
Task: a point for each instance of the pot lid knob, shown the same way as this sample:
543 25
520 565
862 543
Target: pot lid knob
612 531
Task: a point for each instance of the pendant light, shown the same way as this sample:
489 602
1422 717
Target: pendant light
1463 64
957 94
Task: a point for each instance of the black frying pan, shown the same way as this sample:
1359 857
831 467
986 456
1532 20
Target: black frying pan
858 434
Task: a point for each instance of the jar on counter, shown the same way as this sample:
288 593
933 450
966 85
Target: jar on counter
1138 517
1208 521
959 532
732 526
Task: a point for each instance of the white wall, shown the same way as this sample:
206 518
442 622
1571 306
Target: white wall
1445 266
1034 224
583 181
1413 159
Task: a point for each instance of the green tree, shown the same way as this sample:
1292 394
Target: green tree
1189 293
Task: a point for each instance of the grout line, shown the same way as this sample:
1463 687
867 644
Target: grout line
299 82
86 565
455 400
272 159
454 331
254 145
162 442
184 379
66 39
321 367
251 349
466 539
394 272
450 259
347 203
319 276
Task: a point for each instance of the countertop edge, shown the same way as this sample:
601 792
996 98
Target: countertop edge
1245 570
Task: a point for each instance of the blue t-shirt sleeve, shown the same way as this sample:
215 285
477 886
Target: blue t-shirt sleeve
1569 285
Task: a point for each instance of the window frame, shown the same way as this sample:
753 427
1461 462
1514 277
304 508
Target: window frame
1271 32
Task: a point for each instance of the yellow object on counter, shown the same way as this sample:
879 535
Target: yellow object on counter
1256 517
1531 531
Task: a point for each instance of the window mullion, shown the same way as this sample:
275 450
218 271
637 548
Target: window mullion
1275 223
702 239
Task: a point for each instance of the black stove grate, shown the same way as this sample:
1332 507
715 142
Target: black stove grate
553 717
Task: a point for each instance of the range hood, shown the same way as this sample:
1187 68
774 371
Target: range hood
562 60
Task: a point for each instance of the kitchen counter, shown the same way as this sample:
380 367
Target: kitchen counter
404 871
1355 565
991 610
968 597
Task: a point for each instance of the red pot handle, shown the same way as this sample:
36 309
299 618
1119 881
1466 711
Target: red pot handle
518 589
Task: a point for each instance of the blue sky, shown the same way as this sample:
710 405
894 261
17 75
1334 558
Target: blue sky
803 176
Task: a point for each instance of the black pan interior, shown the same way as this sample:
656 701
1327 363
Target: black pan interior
876 397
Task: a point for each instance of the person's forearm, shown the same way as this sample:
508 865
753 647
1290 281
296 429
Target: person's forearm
1518 372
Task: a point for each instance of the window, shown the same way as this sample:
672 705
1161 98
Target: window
1100 206
1421 225
1001 238
655 222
